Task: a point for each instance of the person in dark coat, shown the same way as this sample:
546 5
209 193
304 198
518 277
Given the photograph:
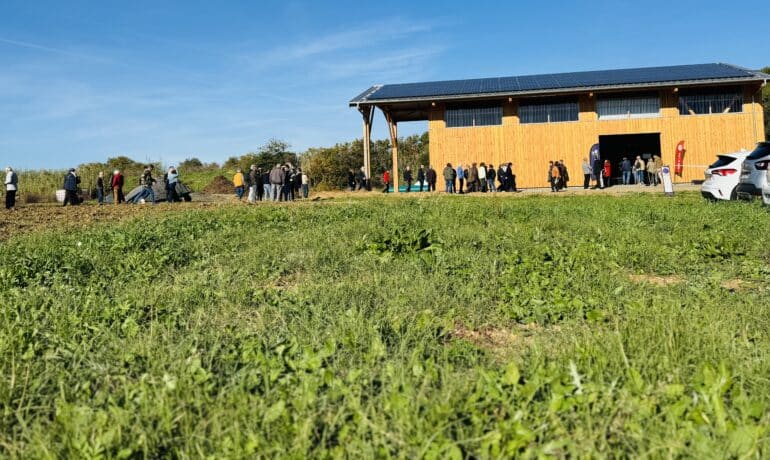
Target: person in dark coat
564 173
598 170
259 184
431 177
71 181
421 176
408 178
351 180
100 188
511 178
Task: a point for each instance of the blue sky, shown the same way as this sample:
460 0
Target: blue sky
81 81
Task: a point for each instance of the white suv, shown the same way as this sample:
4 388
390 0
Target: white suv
754 172
722 177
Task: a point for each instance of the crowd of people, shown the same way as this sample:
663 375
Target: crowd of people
599 172
281 183
471 178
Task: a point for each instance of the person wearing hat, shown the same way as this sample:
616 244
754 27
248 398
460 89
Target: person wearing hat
11 186
71 181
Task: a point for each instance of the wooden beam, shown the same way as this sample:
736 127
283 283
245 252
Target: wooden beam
393 129
368 114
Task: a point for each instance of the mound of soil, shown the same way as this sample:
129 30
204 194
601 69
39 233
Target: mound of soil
219 185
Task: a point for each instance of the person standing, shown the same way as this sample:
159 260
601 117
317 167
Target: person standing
305 184
253 175
491 175
460 177
607 173
586 174
171 180
626 167
71 181
266 185
386 181
146 181
449 178
360 179
117 187
351 180
564 174
555 176
100 188
11 187
511 178
276 181
482 180
431 176
639 170
598 168
408 178
238 183
472 177
421 176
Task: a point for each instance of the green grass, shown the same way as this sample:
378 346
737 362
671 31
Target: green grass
393 327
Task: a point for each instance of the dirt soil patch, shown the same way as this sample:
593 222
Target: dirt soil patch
219 185
657 280
500 340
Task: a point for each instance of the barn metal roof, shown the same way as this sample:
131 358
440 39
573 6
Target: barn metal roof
558 83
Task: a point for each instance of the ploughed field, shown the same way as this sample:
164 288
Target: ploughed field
426 327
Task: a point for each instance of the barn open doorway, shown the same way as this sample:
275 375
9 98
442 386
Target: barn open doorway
616 147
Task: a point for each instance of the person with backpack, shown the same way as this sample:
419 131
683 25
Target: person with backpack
146 181
11 187
71 181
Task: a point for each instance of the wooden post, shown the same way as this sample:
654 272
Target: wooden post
393 129
368 114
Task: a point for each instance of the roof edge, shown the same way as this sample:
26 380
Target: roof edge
758 78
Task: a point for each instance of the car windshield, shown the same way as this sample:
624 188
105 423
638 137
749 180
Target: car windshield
722 160
762 150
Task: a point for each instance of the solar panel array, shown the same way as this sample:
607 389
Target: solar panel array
648 75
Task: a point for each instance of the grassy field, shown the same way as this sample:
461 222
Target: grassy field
437 327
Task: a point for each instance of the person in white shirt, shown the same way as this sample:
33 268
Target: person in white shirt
482 169
305 183
11 186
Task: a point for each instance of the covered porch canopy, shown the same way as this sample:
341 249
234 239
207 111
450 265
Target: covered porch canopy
414 101
394 113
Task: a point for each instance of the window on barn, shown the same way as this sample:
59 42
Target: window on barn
705 101
548 111
464 116
613 107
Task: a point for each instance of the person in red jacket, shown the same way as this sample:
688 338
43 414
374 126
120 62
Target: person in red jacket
117 187
607 173
386 180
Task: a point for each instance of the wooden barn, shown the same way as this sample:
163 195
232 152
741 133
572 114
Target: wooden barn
529 120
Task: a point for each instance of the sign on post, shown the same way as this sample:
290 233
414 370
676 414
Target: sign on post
668 184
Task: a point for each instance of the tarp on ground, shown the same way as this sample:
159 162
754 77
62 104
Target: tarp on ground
160 192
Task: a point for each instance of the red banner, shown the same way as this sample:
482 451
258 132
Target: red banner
679 160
